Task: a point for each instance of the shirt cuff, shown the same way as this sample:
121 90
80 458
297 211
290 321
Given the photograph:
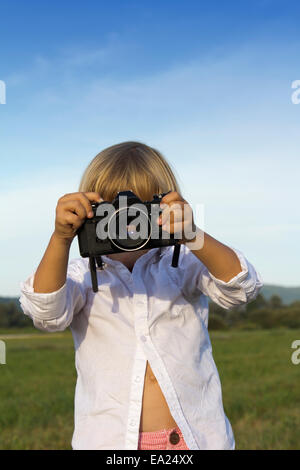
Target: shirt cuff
43 306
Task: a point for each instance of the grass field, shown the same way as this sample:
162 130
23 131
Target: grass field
260 389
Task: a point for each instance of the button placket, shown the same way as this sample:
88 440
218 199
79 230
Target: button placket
140 304
135 399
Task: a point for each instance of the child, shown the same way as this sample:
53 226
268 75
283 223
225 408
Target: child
146 374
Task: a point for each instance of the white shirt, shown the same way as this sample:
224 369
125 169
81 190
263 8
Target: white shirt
157 313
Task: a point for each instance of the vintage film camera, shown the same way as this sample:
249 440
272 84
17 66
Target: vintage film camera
125 224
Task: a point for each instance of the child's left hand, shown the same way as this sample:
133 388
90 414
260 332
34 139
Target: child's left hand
177 217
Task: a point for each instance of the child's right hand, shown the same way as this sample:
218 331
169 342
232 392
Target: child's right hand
71 211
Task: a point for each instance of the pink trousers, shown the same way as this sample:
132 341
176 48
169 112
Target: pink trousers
166 439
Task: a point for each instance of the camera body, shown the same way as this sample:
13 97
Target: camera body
91 244
126 224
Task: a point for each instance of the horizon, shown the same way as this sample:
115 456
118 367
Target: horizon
261 291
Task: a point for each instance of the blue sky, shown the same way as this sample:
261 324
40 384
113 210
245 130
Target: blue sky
207 83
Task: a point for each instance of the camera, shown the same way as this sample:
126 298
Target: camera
123 225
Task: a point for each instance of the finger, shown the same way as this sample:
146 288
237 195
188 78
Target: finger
75 207
175 203
93 196
180 228
173 217
86 199
175 228
171 226
86 202
172 196
73 220
173 212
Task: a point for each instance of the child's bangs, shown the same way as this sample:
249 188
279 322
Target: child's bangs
129 166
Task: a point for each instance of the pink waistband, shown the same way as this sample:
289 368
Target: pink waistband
162 439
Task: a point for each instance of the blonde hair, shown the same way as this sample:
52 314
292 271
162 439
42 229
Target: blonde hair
129 166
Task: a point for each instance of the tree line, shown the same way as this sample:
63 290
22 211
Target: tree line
12 316
260 313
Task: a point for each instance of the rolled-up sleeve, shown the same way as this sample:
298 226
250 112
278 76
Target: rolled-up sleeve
241 289
54 311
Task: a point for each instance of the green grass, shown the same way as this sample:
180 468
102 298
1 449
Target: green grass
20 331
260 389
37 392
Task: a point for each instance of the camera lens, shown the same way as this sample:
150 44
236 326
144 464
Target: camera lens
128 231
131 231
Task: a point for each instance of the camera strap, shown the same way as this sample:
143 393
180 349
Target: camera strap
175 256
93 270
93 273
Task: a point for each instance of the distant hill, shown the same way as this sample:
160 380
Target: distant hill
287 294
15 300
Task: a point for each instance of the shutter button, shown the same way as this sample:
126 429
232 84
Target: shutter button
174 438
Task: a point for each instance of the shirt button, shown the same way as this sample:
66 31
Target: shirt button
138 379
143 338
132 423
174 438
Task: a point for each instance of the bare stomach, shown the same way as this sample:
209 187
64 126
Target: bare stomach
155 413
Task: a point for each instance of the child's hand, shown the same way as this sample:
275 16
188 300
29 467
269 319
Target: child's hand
71 211
177 217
